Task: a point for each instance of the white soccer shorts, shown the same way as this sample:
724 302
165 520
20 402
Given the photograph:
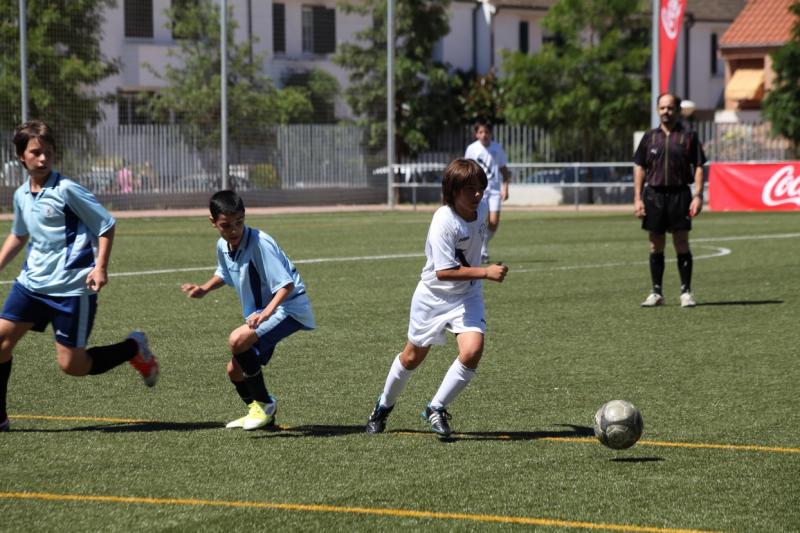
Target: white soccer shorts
432 315
492 197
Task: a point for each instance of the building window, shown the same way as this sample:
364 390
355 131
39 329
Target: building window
523 37
278 28
714 53
139 18
319 30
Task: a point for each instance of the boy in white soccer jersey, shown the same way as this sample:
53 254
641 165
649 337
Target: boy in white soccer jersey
492 159
273 297
69 237
449 297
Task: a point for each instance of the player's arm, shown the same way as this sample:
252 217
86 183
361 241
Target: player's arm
280 295
697 201
506 180
638 183
98 276
463 273
11 247
198 291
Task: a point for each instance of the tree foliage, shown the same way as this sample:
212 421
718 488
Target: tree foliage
65 63
782 104
425 92
589 80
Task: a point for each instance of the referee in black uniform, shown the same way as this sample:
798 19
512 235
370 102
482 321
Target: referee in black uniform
669 158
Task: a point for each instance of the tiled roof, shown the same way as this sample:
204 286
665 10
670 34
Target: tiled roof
701 10
761 23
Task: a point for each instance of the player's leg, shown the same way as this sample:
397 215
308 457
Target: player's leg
492 222
680 240
73 320
469 327
400 372
251 350
654 222
681 224
10 334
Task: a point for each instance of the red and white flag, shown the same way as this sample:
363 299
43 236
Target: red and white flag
670 18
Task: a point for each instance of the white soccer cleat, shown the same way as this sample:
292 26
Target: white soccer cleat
687 300
654 300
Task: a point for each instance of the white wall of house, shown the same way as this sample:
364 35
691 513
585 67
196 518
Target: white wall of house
479 33
705 87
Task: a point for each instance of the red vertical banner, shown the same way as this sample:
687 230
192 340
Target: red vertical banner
670 19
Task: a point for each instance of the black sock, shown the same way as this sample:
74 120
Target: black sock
251 367
685 271
5 372
244 391
104 358
657 271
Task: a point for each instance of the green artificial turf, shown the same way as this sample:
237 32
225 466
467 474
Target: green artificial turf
565 334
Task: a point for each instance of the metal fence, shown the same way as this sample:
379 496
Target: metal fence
158 164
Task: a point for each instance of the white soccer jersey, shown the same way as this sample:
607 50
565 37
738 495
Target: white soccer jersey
452 242
491 158
257 269
63 222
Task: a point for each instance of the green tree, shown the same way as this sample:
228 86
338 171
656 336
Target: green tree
65 63
782 104
587 87
321 88
425 92
193 92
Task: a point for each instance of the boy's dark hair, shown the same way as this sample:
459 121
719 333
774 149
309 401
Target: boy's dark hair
482 123
458 174
33 129
225 203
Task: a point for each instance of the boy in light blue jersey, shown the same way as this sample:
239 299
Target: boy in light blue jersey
69 237
274 303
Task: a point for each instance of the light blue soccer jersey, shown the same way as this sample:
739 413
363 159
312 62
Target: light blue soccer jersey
63 222
257 269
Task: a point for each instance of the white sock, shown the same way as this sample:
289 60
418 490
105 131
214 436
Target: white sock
395 382
457 378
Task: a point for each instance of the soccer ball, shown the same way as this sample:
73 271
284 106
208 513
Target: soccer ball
618 424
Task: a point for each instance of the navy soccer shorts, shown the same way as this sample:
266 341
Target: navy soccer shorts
72 316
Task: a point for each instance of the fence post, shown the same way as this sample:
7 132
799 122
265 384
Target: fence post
577 185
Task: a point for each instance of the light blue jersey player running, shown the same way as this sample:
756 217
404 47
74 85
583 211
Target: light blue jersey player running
69 237
274 303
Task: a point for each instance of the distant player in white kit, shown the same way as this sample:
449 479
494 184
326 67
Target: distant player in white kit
492 159
449 297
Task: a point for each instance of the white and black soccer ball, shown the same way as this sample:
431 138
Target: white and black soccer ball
618 424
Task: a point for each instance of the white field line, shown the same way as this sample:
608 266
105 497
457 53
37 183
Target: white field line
719 252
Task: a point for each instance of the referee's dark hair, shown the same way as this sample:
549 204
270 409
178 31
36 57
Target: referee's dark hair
674 97
225 203
458 174
33 129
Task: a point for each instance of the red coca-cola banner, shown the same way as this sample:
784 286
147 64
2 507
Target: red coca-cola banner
670 19
754 186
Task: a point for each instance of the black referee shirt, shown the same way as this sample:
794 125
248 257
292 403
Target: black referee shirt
669 160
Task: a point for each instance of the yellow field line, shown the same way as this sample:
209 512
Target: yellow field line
584 440
402 513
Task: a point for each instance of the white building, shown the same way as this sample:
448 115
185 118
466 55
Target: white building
298 35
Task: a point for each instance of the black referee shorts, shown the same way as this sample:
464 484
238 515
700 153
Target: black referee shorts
667 209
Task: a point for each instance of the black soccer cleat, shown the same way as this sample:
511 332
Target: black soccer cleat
437 418
377 420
